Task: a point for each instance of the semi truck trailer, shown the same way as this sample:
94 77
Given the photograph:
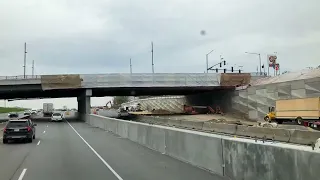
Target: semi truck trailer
47 109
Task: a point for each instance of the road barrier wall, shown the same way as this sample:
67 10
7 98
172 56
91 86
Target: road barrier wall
295 136
235 158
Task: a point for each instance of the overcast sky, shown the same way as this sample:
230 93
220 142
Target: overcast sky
77 36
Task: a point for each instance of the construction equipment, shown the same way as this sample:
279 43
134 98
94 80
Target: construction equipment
109 102
302 111
135 107
201 110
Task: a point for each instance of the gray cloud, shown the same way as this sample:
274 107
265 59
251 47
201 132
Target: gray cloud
100 37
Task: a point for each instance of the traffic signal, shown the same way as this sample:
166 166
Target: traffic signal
231 69
216 69
220 65
224 70
224 62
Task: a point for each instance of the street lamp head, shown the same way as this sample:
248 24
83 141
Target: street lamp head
210 51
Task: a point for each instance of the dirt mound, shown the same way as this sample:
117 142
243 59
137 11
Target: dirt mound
160 111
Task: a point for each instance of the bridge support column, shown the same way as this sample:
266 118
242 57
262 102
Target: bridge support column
84 104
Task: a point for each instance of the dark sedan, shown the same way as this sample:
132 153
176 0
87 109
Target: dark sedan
22 129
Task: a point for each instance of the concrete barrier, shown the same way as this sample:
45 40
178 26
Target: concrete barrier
122 129
252 161
304 137
276 134
235 158
220 127
199 150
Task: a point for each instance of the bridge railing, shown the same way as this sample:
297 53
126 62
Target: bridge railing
20 77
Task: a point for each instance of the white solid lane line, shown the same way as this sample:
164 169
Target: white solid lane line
22 174
38 143
97 154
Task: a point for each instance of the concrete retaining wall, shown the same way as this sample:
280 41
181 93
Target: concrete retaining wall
277 134
235 158
256 100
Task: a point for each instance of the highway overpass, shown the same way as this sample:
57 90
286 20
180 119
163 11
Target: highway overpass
84 86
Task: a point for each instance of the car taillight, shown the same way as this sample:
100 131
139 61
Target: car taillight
29 129
4 129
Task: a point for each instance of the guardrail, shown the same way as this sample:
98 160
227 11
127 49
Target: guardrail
20 77
276 134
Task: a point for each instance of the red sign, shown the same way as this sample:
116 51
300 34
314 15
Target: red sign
272 59
277 67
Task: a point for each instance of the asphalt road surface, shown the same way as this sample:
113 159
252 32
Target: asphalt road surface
77 151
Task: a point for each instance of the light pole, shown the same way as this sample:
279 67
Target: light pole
32 68
152 58
24 60
130 67
259 59
207 59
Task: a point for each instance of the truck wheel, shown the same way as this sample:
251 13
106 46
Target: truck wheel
299 120
267 119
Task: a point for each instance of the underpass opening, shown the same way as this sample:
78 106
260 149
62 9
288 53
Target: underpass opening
216 99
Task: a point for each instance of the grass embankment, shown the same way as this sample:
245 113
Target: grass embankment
10 109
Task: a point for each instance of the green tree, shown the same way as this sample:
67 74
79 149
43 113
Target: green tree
118 100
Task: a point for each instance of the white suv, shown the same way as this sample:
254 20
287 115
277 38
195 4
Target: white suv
57 116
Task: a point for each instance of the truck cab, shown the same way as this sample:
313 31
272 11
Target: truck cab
271 115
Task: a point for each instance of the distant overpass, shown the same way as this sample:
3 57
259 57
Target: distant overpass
85 86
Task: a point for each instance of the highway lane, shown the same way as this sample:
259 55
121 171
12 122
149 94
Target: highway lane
83 152
12 155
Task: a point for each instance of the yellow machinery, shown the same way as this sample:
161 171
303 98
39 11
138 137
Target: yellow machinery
271 116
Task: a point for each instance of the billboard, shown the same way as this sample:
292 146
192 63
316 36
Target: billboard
272 60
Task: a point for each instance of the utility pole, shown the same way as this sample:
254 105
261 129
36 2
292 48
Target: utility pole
152 57
259 60
130 67
260 64
25 60
32 68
